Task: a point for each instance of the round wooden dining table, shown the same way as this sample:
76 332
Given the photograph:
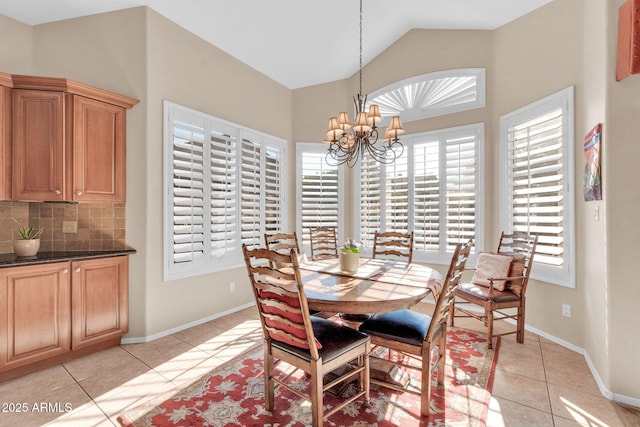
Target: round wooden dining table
378 285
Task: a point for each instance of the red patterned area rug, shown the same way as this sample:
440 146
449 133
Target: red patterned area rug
232 395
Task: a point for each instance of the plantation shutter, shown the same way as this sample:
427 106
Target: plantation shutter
432 189
461 170
261 192
536 183
273 190
319 193
370 200
224 186
187 191
396 212
252 182
427 196
224 209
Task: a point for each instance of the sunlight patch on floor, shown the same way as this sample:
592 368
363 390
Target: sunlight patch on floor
581 416
494 416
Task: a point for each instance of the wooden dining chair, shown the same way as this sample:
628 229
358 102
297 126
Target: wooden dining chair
324 243
494 291
282 242
312 344
415 334
393 243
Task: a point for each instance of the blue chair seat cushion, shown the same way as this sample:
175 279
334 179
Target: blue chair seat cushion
405 326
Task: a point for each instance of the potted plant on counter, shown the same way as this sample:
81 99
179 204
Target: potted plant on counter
29 244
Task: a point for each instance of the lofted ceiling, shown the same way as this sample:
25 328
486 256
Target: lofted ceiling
297 43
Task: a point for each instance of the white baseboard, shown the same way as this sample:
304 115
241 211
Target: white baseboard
604 390
138 340
627 400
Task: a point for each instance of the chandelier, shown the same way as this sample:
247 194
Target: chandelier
348 142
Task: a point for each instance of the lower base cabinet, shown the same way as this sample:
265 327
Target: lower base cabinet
51 313
36 316
99 300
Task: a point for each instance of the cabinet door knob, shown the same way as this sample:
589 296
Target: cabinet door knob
78 269
79 193
58 192
65 270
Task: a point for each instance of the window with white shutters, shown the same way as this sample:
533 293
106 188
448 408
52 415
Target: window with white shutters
188 184
372 199
224 194
461 188
537 182
396 201
318 189
273 189
433 189
251 214
426 201
224 187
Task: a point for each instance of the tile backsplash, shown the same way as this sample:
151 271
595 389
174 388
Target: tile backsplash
97 225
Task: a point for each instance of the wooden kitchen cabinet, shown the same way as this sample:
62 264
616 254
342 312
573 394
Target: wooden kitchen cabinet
36 321
51 313
6 83
99 295
99 161
69 141
38 145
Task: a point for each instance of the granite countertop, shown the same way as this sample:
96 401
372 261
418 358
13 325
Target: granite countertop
12 260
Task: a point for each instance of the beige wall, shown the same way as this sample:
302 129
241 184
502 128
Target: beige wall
186 70
592 232
530 64
16 49
621 176
152 59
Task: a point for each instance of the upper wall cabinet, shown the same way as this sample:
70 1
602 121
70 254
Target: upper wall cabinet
69 141
6 83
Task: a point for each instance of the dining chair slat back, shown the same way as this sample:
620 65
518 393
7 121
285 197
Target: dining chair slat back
323 243
282 242
315 345
394 244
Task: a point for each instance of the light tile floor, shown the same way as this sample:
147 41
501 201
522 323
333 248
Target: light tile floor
537 383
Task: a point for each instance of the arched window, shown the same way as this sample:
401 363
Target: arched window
432 94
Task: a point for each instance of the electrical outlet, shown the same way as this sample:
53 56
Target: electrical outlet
232 286
69 226
566 310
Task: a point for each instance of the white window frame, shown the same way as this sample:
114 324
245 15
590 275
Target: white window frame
564 275
317 148
234 259
442 255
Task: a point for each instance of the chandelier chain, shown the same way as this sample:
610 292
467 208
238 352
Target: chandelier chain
360 46
349 142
